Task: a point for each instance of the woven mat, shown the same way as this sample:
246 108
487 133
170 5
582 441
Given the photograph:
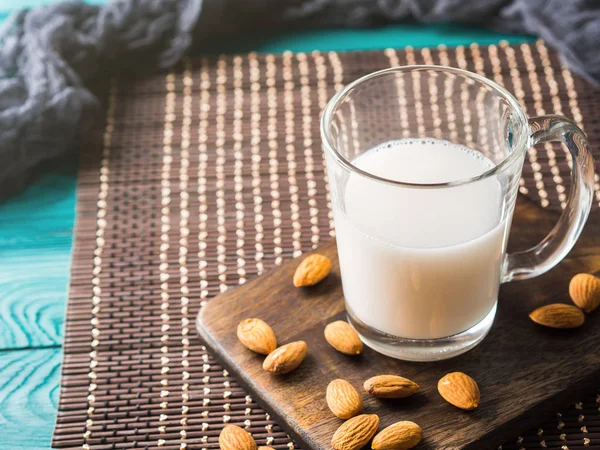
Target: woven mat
210 175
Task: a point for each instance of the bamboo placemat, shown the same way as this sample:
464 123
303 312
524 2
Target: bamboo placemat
210 175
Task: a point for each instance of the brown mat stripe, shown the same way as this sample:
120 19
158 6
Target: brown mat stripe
210 175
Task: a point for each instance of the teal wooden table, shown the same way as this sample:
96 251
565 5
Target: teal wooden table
36 235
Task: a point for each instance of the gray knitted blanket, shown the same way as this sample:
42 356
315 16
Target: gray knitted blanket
49 55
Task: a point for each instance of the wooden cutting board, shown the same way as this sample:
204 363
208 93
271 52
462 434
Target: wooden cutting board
524 370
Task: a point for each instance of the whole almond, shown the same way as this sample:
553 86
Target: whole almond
311 270
257 336
286 358
343 400
558 315
355 433
343 338
233 437
399 436
460 390
390 386
584 290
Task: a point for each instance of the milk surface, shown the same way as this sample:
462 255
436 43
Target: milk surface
421 263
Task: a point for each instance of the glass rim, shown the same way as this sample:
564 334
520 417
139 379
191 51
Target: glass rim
520 147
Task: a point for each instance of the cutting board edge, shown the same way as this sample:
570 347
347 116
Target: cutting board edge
246 382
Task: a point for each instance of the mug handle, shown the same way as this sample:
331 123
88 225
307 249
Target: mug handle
555 246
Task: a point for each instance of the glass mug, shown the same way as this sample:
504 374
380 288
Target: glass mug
424 165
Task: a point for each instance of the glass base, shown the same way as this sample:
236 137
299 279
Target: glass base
422 349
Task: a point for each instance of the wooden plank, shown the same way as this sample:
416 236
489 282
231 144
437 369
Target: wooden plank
32 301
28 397
523 370
35 251
42 214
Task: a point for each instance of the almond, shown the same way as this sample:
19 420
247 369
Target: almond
399 436
343 338
460 390
558 315
343 400
311 270
257 336
584 290
390 386
285 358
355 433
233 437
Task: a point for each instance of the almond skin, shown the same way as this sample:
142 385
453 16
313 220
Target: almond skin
285 358
311 270
355 433
343 400
558 315
343 338
584 290
460 390
233 437
390 386
399 436
257 336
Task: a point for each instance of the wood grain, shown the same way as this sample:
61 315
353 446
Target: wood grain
28 397
35 252
523 370
32 301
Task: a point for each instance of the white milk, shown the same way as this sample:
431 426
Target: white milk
421 263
